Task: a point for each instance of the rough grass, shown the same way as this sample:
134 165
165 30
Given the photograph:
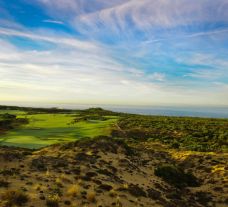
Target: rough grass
47 129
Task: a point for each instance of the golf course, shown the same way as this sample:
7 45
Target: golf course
60 157
45 129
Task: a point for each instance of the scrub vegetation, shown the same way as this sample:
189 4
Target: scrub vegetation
39 127
189 133
105 171
94 157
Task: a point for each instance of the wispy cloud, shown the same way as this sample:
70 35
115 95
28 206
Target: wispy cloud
156 76
148 15
205 74
117 51
41 36
214 32
53 21
186 36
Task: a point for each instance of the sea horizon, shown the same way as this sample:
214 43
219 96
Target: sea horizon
183 111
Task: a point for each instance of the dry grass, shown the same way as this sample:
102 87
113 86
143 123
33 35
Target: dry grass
112 193
58 182
118 202
37 187
53 201
48 174
91 196
65 178
73 190
125 186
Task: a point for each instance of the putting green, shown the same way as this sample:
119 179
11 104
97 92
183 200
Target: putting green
47 129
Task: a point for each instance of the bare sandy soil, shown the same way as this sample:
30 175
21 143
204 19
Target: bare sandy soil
106 172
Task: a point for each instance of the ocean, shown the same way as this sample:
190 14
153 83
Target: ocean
209 112
190 111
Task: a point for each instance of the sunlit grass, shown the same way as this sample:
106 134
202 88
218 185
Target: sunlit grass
47 129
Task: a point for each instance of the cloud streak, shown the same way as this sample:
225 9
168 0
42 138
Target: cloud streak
133 14
52 39
183 36
53 21
117 52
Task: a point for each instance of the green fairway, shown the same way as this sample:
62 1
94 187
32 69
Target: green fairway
16 112
46 129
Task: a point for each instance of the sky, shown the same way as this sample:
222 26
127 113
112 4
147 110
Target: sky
123 52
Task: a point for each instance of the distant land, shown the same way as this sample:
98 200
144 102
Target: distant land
189 111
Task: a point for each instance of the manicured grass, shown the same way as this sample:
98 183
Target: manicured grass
15 112
46 129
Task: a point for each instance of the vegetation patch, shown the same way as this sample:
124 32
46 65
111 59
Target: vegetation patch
176 176
10 121
14 198
197 134
4 184
37 128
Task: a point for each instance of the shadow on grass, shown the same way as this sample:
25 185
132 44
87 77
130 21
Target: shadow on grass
40 137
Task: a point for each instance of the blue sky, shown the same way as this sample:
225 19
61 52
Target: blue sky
128 52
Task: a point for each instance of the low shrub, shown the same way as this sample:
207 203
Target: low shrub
14 198
4 184
176 176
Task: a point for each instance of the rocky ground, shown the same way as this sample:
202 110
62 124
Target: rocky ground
105 172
